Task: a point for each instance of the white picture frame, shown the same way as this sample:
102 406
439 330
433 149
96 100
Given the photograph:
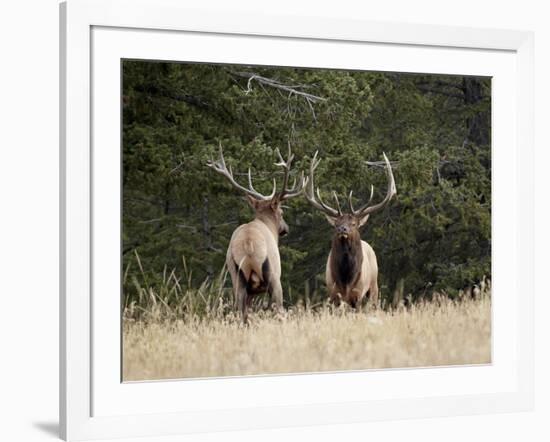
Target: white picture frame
93 402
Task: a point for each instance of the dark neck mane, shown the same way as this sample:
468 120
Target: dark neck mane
346 260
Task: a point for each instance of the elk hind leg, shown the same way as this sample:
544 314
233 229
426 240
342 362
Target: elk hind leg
275 290
241 294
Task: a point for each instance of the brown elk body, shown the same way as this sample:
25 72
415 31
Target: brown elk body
352 268
252 258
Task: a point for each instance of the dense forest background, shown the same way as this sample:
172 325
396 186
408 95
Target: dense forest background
178 215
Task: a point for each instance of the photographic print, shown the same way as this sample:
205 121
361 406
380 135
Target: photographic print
282 220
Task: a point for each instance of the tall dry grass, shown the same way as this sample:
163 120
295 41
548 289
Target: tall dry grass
171 340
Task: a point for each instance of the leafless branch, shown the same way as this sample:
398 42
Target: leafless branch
154 220
175 169
229 223
291 89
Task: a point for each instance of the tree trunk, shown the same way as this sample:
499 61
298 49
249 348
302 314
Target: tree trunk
478 123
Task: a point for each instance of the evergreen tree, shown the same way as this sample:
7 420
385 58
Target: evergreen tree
435 129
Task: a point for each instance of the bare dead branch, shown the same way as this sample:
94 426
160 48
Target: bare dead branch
291 89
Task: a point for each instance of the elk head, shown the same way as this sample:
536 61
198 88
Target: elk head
267 208
346 225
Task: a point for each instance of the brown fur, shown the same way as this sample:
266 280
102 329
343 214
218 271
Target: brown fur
352 269
253 256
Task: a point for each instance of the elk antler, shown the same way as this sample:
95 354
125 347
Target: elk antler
366 209
297 186
309 193
220 167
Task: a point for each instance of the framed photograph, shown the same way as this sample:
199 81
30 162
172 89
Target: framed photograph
276 221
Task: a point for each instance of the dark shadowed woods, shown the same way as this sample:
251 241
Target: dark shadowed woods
178 215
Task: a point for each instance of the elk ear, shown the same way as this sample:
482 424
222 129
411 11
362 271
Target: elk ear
363 221
331 220
252 201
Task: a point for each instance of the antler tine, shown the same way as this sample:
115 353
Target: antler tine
221 153
274 190
297 187
337 202
295 190
286 166
251 187
353 211
221 167
309 187
329 210
264 197
290 155
281 161
366 209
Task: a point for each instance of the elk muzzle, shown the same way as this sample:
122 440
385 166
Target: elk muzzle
343 231
283 228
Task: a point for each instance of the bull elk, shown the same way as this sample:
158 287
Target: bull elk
253 259
352 269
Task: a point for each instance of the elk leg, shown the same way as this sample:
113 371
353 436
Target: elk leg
241 295
336 299
246 306
276 294
356 299
373 294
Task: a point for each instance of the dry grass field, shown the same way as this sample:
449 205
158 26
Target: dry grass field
427 334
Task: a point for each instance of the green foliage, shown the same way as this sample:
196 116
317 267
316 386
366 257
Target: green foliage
436 129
